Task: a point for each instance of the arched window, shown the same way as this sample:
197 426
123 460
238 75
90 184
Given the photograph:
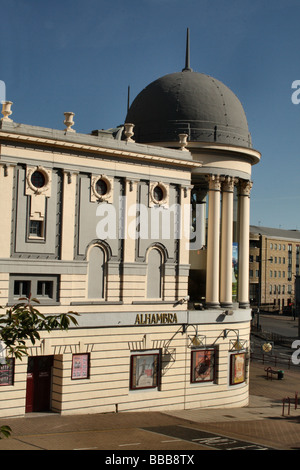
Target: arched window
154 274
96 273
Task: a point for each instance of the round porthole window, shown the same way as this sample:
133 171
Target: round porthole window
101 187
158 193
38 179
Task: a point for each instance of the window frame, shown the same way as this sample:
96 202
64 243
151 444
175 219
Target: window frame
33 281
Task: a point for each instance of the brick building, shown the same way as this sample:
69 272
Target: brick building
274 263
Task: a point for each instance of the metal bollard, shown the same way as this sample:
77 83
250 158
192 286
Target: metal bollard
289 405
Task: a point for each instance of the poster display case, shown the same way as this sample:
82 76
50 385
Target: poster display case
144 371
203 365
80 366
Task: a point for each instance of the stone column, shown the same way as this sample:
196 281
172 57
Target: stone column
244 227
226 243
213 243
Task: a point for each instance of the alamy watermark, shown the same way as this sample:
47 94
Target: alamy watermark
296 94
296 354
138 221
2 91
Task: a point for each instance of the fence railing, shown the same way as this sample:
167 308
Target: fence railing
267 358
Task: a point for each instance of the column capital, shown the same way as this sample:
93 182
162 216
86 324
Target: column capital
245 187
228 183
214 183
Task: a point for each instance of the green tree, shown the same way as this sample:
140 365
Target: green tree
22 323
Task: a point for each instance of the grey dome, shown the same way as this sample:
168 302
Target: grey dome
192 103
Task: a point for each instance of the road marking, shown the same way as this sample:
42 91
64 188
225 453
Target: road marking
172 440
206 438
132 444
86 448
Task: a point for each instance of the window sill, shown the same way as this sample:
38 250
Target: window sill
96 302
41 303
152 302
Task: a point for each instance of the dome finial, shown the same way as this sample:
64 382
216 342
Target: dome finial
187 53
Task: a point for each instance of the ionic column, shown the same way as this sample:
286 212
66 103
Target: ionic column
226 243
244 226
213 243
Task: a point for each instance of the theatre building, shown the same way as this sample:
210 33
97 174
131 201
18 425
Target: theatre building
143 230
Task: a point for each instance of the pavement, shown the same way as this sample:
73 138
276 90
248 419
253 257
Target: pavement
268 422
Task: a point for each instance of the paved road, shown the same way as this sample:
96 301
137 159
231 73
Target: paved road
127 432
285 326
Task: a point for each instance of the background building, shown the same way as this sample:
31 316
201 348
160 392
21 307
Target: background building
100 224
274 263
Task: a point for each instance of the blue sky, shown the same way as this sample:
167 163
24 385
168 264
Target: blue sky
81 56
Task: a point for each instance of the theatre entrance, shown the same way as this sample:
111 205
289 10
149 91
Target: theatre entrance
39 383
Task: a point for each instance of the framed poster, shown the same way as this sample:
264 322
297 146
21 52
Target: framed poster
144 371
237 368
203 365
80 366
7 372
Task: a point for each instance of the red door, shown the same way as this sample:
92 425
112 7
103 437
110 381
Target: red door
39 377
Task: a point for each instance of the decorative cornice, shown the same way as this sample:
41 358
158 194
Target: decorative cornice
98 149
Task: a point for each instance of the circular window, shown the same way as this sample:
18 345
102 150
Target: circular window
101 187
158 193
38 179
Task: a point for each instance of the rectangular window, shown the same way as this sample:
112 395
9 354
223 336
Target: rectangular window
80 366
22 288
7 372
144 370
203 365
44 288
36 228
237 368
